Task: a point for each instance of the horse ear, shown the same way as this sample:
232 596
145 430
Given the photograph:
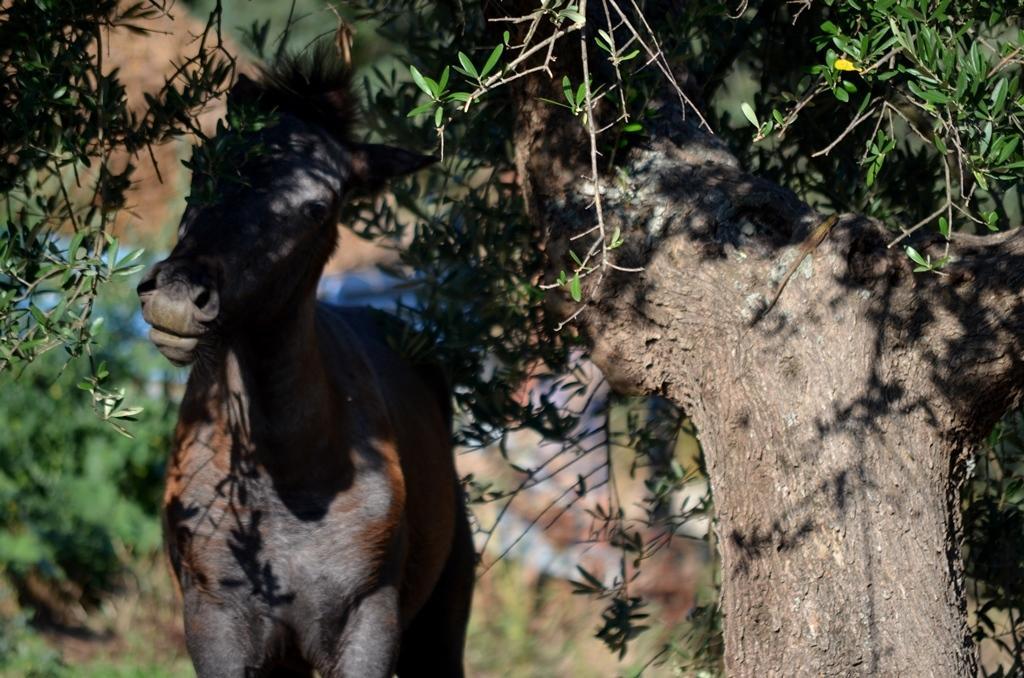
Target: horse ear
374 164
244 91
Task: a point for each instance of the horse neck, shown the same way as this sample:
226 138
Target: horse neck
272 392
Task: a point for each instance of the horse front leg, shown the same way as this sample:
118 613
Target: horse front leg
368 646
222 642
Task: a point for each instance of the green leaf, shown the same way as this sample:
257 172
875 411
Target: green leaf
127 271
129 258
980 178
944 227
438 116
616 238
417 77
37 314
991 220
999 96
748 113
468 65
930 95
435 88
873 168
916 257
126 412
574 16
420 110
492 60
76 242
574 287
1008 145
909 13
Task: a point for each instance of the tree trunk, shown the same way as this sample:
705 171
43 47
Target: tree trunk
835 428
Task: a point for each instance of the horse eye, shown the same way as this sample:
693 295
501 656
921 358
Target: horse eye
315 210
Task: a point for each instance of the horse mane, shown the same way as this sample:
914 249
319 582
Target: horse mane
314 85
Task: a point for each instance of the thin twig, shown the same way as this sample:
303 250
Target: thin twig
659 59
906 232
590 125
849 128
1005 60
562 324
614 60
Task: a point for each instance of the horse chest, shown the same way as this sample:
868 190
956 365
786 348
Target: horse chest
236 534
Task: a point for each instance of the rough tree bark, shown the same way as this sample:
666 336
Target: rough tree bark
836 429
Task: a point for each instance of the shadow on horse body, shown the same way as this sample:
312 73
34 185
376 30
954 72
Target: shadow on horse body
313 515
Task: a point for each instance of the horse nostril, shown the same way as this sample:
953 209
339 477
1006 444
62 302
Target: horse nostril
204 300
148 282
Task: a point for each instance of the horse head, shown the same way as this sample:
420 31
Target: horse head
255 236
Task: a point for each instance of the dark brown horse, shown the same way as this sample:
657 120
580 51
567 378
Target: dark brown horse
313 514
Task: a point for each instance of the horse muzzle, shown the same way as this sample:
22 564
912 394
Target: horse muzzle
181 305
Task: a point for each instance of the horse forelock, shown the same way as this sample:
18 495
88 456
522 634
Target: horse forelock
313 85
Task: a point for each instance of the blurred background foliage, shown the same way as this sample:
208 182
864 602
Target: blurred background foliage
906 110
82 517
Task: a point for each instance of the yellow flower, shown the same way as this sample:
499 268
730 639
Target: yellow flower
845 65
